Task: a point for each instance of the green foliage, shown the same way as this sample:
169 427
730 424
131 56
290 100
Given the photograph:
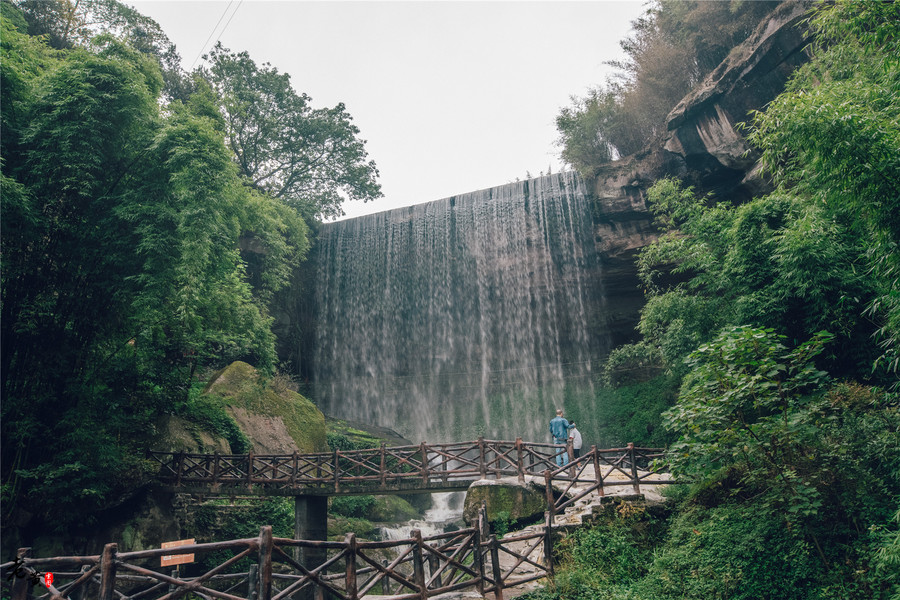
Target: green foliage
352 506
738 408
339 527
337 441
632 363
832 139
122 270
774 262
218 520
501 523
674 45
581 131
731 552
209 411
310 158
630 413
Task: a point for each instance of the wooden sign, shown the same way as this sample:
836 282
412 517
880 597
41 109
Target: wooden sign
176 559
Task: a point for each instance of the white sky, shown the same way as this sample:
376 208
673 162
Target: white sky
451 96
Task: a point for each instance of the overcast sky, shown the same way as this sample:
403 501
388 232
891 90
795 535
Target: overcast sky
451 97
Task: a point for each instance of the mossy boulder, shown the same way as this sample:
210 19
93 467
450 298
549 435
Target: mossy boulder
505 499
176 434
355 435
339 526
392 508
275 418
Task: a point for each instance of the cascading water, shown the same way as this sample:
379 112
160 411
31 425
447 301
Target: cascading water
446 511
472 315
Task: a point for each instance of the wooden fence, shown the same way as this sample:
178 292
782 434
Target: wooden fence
425 467
264 568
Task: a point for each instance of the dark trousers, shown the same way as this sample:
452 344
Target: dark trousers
576 452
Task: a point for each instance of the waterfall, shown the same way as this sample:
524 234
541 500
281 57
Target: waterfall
473 315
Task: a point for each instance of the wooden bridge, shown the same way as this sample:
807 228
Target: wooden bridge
308 567
425 468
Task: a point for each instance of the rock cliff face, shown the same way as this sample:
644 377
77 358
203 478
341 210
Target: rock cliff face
703 147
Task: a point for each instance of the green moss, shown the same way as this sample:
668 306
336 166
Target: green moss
338 527
391 508
348 435
511 502
240 386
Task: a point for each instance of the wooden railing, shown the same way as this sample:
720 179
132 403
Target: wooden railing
264 568
426 467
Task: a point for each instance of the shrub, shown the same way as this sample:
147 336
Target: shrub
352 506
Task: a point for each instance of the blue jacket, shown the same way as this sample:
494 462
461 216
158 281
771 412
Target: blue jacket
559 428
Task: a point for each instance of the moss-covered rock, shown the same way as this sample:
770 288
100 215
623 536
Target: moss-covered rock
505 499
338 527
391 508
176 434
276 419
362 435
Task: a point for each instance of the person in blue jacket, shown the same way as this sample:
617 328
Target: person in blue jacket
559 429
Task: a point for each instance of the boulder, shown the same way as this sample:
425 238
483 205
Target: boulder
391 509
505 499
176 434
276 419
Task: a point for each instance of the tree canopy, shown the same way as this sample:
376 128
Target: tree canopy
310 158
128 214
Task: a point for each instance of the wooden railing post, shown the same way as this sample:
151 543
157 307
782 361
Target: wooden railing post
215 469
179 466
83 590
265 563
337 475
419 564
497 570
295 466
597 473
424 454
383 467
482 463
548 487
20 585
520 465
250 470
385 579
174 575
434 569
570 452
351 588
635 482
548 543
108 572
478 539
253 582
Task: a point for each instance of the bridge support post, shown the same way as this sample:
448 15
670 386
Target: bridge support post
310 523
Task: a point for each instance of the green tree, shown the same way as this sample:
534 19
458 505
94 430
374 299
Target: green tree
774 262
309 158
121 237
832 139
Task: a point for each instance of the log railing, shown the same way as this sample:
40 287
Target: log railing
264 568
405 468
